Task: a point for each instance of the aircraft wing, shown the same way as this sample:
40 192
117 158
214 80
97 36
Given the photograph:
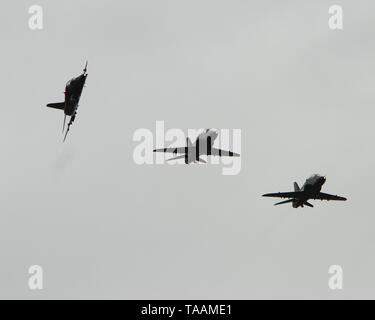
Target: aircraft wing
283 194
172 150
57 105
219 152
326 196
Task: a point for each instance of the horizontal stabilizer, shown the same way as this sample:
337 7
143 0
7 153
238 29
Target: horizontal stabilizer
282 202
176 158
57 105
201 160
283 194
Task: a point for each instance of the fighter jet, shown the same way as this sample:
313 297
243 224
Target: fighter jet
73 91
310 190
203 145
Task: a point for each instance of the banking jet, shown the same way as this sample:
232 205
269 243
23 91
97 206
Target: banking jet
73 91
203 145
310 190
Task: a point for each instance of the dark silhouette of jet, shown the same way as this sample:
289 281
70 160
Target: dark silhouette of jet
203 145
73 91
310 190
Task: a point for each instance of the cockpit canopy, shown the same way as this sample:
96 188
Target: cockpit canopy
315 176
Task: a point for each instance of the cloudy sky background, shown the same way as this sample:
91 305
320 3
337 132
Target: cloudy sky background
103 227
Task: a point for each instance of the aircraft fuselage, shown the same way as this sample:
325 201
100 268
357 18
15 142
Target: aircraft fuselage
310 188
313 184
73 91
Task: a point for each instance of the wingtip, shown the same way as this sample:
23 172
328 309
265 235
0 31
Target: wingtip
342 198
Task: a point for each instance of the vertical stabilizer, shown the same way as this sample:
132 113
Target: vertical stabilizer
188 143
296 187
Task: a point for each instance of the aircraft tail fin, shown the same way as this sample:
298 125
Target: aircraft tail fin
188 143
57 105
296 187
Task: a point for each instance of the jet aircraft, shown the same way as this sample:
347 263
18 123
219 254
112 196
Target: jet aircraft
73 91
203 145
310 190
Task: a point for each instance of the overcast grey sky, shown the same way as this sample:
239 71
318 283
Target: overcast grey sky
103 227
